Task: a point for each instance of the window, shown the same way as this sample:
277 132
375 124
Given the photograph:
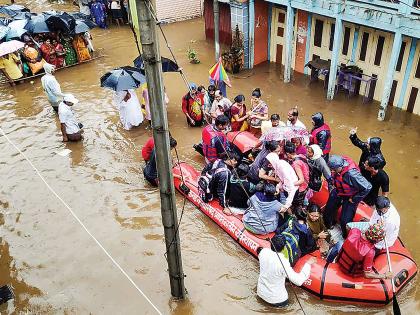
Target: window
332 36
379 49
280 31
417 75
400 57
319 28
363 48
346 40
412 99
281 17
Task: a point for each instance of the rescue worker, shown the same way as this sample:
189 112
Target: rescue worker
218 176
321 135
274 269
358 252
369 149
214 139
349 188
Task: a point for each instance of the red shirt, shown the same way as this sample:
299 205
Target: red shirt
147 149
193 107
361 250
303 166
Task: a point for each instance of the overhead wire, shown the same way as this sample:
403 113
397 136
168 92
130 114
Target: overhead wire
116 264
151 10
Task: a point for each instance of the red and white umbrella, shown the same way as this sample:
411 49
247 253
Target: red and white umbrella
10 47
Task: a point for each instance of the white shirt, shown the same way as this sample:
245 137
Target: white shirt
66 115
288 178
130 110
52 88
298 124
392 225
270 285
115 5
224 102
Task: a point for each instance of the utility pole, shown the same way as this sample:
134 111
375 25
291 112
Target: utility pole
216 28
153 67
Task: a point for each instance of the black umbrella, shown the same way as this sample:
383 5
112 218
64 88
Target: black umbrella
61 22
82 26
37 25
80 16
120 80
167 64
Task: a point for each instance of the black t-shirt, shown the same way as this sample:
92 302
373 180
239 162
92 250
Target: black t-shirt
379 181
238 198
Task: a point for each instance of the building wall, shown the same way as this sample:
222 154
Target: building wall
178 10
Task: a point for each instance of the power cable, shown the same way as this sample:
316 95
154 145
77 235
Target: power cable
82 224
150 8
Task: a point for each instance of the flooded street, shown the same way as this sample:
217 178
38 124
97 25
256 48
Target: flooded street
55 267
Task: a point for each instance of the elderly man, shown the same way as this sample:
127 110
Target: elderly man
51 86
350 187
387 215
70 127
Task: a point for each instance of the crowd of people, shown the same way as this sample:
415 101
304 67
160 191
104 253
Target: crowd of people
272 194
102 11
53 48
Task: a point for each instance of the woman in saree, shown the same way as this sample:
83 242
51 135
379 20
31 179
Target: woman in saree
79 45
239 114
60 53
33 57
48 52
70 57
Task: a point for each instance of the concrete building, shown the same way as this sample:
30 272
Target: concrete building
379 37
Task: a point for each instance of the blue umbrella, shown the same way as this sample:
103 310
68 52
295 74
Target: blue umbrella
15 33
37 25
120 80
82 27
3 31
167 64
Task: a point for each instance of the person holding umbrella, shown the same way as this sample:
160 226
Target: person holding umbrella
10 64
123 81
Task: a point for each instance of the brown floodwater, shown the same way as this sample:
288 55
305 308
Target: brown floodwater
54 265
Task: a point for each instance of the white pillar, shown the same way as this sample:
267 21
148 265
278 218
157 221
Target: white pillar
289 43
335 57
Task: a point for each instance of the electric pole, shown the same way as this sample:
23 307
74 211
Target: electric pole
216 28
153 67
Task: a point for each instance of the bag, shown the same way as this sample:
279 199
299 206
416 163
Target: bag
315 180
205 182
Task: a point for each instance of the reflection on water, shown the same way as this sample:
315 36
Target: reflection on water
101 179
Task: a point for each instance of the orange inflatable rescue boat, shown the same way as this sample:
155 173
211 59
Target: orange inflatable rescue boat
327 281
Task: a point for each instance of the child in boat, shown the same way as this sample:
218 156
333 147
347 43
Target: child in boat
274 269
240 189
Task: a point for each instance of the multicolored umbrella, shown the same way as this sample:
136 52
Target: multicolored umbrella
218 73
284 133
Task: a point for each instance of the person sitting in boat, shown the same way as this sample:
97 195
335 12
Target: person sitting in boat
214 139
350 187
254 168
370 148
317 167
11 67
215 178
276 122
240 189
388 215
321 134
300 145
358 252
297 226
284 175
262 216
150 172
300 165
274 269
317 227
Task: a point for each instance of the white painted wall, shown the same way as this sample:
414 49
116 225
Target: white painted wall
178 10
